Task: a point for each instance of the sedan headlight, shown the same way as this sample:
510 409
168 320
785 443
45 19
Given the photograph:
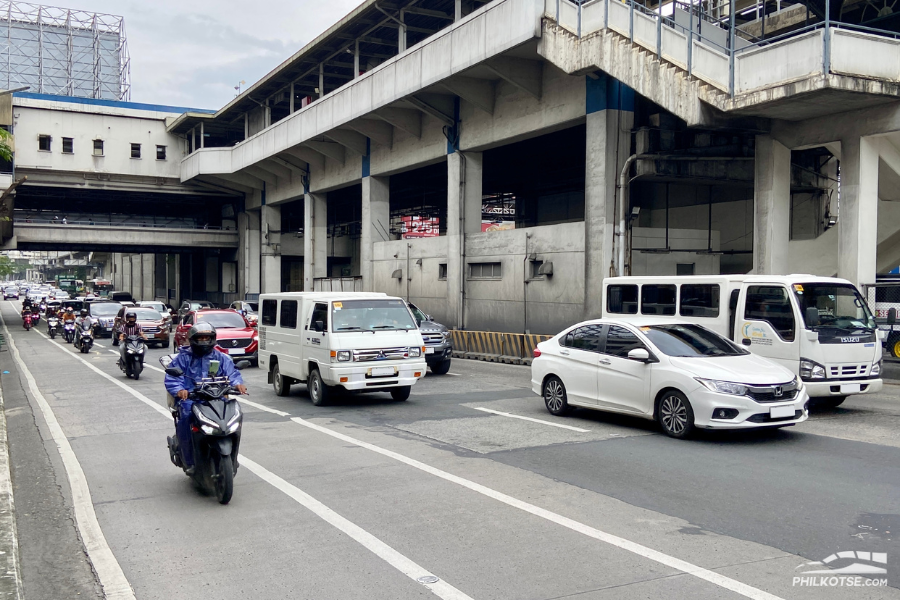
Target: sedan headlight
415 352
810 370
876 369
344 355
724 387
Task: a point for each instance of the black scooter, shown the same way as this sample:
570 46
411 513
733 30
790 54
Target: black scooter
131 356
84 340
216 421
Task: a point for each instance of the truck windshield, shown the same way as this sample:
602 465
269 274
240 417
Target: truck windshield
690 340
371 315
840 306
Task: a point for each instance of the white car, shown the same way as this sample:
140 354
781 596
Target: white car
680 374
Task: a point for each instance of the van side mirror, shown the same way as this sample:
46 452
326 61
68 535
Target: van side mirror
812 316
639 355
892 316
320 326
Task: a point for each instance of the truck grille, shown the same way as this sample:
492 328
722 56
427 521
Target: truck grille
847 371
380 354
433 339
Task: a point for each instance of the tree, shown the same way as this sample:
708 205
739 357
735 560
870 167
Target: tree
6 151
9 267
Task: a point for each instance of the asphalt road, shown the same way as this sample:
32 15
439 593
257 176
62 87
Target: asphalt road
361 498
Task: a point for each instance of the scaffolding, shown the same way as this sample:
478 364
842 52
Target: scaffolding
64 52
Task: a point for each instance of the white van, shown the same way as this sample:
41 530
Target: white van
358 341
818 327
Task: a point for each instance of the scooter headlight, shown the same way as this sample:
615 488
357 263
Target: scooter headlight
207 429
205 420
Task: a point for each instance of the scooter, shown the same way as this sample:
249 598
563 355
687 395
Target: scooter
52 326
131 359
69 331
85 339
216 421
27 322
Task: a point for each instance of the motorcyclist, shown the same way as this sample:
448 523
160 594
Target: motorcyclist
194 361
83 322
68 316
130 327
26 303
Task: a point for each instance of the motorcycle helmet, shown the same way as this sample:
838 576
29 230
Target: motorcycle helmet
202 347
84 312
131 317
70 311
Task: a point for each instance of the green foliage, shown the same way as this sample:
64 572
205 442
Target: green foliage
9 267
6 151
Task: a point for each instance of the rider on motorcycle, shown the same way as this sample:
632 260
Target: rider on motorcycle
194 361
130 327
84 321
68 316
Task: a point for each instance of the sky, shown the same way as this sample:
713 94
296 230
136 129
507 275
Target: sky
194 52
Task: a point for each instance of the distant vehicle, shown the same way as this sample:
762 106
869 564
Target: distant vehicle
189 305
120 297
680 374
438 345
158 306
11 293
234 335
99 287
151 321
250 310
105 314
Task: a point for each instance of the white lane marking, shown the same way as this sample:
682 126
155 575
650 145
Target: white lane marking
614 540
146 366
109 572
397 560
8 511
280 413
542 422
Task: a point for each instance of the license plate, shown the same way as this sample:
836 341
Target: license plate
235 351
779 412
383 371
429 350
851 388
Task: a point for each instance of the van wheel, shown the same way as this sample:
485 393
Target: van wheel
318 391
282 387
401 393
675 415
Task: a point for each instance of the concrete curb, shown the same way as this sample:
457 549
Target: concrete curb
10 572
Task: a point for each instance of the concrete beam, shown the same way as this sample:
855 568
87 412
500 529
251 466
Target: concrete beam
329 149
479 92
315 160
222 185
243 179
430 109
527 75
274 168
351 140
409 121
295 169
259 173
378 131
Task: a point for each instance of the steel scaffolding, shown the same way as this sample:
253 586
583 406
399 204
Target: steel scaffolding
63 51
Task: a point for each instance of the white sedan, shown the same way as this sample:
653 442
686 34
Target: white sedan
680 374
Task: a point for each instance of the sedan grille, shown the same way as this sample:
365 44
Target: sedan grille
234 343
150 329
773 393
380 354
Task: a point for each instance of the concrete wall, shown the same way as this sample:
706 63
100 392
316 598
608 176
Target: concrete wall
420 283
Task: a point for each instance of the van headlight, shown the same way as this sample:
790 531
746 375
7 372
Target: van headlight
723 387
344 355
876 369
415 352
810 369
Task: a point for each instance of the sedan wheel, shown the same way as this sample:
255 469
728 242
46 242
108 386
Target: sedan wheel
555 396
675 415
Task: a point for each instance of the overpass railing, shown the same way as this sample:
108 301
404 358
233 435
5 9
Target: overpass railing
110 224
720 53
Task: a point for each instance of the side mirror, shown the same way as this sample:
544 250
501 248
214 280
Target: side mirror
319 326
242 364
639 354
429 318
892 316
174 371
812 316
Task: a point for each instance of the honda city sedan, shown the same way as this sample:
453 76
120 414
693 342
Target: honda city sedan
682 375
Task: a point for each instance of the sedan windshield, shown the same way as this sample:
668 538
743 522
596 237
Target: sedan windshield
839 306
690 340
105 309
226 320
146 314
371 315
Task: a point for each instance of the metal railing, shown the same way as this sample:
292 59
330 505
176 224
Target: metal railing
338 284
726 27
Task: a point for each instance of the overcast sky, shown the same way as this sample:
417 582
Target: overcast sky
193 52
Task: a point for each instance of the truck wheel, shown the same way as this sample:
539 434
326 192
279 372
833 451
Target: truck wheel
401 393
894 346
831 402
318 391
281 384
441 368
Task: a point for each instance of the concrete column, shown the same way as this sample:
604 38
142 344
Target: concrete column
248 256
376 225
148 277
772 207
464 195
270 249
609 119
315 239
126 273
858 218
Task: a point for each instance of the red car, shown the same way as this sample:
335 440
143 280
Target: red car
234 335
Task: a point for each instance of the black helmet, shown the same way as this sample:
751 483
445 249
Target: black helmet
84 312
200 348
130 316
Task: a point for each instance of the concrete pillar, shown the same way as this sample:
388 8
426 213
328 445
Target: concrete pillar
772 207
148 277
609 119
126 273
248 256
858 218
315 239
270 249
464 195
376 225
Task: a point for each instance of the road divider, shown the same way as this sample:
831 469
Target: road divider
491 346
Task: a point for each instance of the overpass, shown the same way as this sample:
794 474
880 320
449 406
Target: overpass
92 236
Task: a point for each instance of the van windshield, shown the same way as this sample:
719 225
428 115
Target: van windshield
371 315
840 307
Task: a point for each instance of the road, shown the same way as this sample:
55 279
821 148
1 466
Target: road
363 498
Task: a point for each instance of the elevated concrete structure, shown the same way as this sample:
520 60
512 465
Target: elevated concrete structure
36 236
